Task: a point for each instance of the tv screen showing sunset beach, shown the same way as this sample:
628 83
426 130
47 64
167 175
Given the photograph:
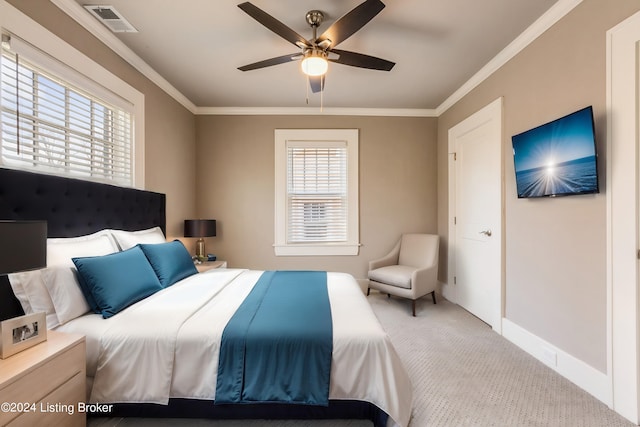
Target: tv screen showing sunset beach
557 158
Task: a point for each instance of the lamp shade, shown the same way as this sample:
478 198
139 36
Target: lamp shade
23 245
199 227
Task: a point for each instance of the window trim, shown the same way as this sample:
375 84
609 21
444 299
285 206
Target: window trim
15 22
352 245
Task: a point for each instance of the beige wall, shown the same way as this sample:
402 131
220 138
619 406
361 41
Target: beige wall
235 165
555 248
169 127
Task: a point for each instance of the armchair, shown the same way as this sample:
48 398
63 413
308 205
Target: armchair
410 270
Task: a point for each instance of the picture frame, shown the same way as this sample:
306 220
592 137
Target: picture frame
20 333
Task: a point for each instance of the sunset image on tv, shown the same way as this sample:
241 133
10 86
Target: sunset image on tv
557 158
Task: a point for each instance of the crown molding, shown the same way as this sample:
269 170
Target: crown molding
102 33
542 24
314 111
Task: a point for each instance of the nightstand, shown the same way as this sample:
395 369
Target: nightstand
43 385
208 265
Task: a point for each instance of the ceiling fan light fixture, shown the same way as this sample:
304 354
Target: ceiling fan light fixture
315 64
317 50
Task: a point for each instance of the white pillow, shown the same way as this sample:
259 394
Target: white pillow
29 287
61 250
66 295
128 239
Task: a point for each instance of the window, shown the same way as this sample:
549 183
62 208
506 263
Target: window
55 120
316 192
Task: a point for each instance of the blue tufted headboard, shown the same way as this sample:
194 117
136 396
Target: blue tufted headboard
72 207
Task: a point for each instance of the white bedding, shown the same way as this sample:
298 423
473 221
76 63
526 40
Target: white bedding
166 346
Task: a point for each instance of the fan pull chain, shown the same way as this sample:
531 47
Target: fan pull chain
307 93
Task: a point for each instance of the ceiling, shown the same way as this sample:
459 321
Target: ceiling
437 45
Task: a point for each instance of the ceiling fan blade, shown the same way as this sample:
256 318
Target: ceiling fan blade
272 61
360 60
344 27
274 25
316 83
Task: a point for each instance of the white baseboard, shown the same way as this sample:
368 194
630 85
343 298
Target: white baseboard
447 292
578 372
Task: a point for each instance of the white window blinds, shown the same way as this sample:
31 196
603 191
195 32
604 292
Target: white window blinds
317 193
51 125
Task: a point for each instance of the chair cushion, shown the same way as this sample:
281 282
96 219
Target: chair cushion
418 250
395 275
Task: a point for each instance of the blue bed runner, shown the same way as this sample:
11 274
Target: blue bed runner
277 346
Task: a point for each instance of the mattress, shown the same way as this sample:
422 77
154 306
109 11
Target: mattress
167 345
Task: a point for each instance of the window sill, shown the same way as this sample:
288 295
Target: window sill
317 250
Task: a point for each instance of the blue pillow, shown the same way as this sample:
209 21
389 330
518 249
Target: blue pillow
171 261
117 280
86 291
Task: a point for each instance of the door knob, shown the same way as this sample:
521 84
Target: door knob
486 233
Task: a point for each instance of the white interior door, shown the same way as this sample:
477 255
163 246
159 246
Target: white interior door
476 242
623 231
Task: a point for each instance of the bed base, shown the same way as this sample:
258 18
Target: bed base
194 408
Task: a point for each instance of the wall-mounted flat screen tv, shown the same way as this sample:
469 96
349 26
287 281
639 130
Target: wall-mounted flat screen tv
557 158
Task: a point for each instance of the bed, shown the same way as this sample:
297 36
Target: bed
176 366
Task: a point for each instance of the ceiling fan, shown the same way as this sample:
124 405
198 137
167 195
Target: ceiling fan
316 52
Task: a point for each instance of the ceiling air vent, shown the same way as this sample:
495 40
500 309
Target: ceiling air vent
110 17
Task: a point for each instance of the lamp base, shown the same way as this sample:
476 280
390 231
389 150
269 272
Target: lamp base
200 250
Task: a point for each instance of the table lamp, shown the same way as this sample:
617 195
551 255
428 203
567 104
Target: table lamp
200 228
23 246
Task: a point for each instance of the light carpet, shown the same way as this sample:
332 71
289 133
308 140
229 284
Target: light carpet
463 374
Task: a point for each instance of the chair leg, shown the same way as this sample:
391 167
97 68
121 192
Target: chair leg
413 307
433 295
